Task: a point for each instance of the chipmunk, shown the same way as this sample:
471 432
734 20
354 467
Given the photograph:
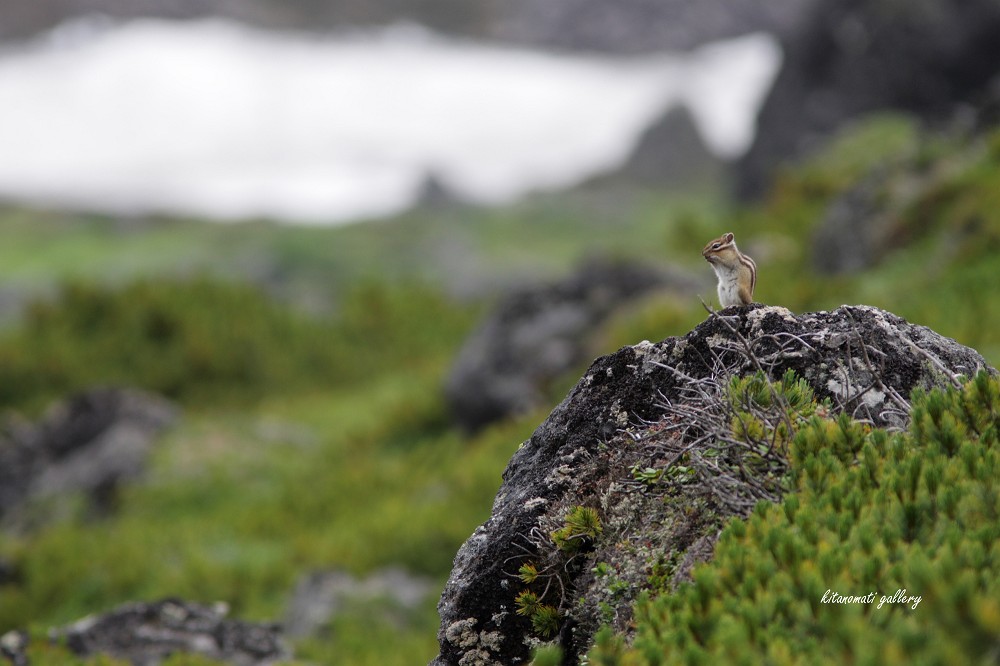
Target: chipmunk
736 271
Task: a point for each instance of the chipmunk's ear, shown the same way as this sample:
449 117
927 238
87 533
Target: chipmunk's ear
729 237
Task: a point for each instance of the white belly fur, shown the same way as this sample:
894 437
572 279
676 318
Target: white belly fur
729 289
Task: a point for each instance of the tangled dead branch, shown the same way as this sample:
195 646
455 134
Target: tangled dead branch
726 435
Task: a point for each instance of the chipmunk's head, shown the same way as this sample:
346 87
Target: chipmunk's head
719 247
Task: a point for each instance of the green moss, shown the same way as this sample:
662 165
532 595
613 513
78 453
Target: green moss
907 523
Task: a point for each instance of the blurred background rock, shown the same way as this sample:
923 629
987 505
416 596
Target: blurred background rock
631 26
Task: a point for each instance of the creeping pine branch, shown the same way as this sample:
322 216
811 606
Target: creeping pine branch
752 357
736 453
540 549
697 447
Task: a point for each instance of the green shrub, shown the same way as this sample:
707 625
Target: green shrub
581 528
908 523
207 341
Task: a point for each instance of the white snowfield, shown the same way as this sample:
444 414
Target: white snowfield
214 119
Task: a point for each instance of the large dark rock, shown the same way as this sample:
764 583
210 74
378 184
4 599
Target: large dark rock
536 334
852 57
148 633
623 415
89 443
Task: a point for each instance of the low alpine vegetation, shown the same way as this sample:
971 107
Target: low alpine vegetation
905 527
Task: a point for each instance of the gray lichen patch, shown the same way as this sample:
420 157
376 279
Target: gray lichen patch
757 316
462 633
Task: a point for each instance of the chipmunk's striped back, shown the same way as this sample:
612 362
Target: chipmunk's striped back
752 267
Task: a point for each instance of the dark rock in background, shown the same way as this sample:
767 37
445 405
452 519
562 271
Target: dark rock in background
9 572
639 26
435 194
22 20
320 596
861 225
986 107
850 57
12 647
859 357
851 235
669 154
88 443
148 633
536 334
625 26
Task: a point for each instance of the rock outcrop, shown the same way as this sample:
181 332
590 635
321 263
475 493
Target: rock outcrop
851 57
538 333
669 154
602 447
146 634
88 443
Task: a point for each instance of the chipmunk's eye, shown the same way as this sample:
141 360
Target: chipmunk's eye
715 246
